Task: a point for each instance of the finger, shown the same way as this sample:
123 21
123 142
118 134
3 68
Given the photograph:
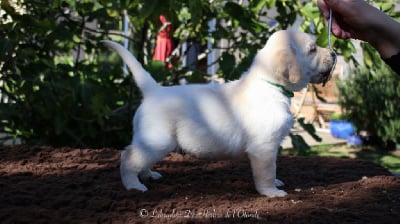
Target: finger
338 31
323 8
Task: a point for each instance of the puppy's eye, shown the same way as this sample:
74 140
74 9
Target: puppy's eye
312 48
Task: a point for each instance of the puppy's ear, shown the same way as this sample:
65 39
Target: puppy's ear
288 65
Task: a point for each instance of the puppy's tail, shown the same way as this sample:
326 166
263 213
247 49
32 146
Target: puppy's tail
142 78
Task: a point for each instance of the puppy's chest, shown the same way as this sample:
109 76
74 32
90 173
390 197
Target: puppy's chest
276 118
269 118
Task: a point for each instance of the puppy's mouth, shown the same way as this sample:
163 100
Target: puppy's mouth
324 76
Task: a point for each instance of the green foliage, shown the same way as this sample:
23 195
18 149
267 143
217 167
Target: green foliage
337 117
59 90
389 160
314 24
370 101
300 146
369 95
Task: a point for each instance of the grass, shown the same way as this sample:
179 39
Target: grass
388 159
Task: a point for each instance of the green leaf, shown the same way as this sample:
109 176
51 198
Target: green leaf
184 14
234 10
386 7
257 5
270 3
195 8
148 8
299 144
158 70
322 39
226 62
309 128
309 10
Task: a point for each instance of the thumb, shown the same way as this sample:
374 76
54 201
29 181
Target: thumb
323 7
332 3
339 6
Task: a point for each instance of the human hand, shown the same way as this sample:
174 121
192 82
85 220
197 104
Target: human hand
351 18
358 20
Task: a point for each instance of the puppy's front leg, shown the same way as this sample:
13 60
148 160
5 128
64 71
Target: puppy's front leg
264 174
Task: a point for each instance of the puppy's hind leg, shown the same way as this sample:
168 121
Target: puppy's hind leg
131 167
146 174
135 161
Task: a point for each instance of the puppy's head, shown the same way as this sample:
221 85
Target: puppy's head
293 59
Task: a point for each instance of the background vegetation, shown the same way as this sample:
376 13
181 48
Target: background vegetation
60 87
371 101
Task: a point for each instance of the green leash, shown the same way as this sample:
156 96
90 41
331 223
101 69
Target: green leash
283 90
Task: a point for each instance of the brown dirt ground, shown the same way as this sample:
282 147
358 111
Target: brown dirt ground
66 185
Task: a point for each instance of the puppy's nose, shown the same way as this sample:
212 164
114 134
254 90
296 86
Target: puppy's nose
333 54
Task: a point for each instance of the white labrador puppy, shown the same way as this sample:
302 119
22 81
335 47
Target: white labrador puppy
247 116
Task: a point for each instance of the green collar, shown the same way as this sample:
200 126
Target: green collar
283 90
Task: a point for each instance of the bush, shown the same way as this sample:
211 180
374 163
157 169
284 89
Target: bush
54 88
370 99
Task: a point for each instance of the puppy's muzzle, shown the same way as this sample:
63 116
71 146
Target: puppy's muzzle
327 76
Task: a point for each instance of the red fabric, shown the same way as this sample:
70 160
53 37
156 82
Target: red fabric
163 19
164 44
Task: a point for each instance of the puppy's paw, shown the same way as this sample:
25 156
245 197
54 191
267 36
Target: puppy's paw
150 174
272 192
139 187
131 181
279 183
155 175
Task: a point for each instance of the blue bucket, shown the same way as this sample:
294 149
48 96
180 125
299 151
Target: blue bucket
341 129
354 141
